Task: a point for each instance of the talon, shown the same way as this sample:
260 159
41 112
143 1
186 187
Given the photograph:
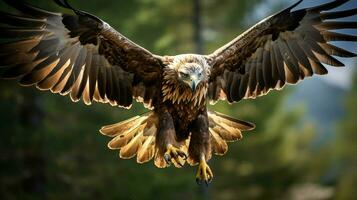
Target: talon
204 173
183 155
181 165
198 181
173 155
167 158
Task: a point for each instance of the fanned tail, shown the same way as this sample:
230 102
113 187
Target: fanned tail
135 136
225 129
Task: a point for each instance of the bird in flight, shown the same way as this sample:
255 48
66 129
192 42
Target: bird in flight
80 55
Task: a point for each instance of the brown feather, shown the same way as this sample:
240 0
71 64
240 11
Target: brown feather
267 69
290 61
234 90
160 161
147 150
219 146
338 14
318 68
91 47
294 43
337 51
279 62
131 148
333 36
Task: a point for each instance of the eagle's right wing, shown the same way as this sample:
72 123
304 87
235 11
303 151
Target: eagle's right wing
284 48
76 54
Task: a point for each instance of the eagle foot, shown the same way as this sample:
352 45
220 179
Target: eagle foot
204 173
175 156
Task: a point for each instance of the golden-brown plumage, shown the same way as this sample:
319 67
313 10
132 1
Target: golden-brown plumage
82 56
178 92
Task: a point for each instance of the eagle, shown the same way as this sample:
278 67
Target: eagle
80 55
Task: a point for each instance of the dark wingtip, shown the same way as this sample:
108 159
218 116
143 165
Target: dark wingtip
294 5
329 6
64 3
288 10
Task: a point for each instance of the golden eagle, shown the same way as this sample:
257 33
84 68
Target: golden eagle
82 56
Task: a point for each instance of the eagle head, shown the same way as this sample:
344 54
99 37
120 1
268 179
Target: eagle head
186 79
191 70
191 74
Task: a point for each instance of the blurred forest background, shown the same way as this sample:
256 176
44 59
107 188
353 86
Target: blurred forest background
304 146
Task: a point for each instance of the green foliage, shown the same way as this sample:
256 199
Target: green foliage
346 148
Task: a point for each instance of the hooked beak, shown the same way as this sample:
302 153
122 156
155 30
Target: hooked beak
194 84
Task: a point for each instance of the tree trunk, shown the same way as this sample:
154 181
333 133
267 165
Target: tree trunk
198 41
197 25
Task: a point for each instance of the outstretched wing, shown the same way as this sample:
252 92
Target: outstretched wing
284 48
76 54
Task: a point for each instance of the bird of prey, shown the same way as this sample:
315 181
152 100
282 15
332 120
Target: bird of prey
80 55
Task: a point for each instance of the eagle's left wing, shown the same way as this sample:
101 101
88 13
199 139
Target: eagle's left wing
78 54
284 48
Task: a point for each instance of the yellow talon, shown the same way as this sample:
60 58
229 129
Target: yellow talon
175 156
204 173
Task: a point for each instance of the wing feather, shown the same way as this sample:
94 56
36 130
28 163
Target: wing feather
336 51
301 57
15 20
102 81
85 78
279 63
267 70
274 67
290 61
77 68
330 36
75 54
284 48
234 89
243 86
338 14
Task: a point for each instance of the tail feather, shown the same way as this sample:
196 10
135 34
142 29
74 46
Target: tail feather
147 150
236 123
219 145
137 137
227 133
225 129
119 128
123 139
131 148
160 161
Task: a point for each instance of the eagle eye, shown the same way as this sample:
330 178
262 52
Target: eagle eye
184 75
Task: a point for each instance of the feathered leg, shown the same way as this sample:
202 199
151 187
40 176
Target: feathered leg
166 143
200 149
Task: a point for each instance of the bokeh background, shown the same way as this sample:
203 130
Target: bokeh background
304 146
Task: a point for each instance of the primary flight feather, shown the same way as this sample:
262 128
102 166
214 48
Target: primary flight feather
82 56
